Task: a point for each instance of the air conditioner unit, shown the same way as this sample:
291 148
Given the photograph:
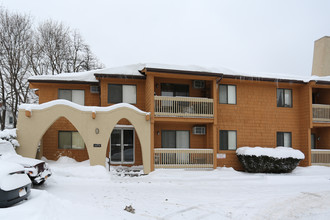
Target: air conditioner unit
199 130
199 84
95 89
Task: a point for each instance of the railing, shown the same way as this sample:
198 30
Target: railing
183 106
320 157
321 113
183 158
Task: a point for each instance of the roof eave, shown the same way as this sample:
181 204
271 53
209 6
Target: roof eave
120 76
185 72
254 78
61 81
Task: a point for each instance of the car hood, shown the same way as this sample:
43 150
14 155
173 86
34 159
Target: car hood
8 167
25 161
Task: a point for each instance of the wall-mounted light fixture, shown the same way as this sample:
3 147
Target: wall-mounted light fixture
97 131
157 132
319 138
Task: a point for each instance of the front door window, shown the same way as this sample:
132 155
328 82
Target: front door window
122 146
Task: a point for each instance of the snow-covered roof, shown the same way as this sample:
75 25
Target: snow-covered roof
134 70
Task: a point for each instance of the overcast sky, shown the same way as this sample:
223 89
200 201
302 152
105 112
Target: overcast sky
249 36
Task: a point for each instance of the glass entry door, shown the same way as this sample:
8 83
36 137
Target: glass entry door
122 146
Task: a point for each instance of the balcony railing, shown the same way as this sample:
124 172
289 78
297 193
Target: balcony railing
183 158
320 157
321 113
183 107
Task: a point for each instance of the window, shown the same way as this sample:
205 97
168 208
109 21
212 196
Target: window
227 94
73 95
175 139
118 93
284 139
284 98
70 140
11 119
169 89
227 140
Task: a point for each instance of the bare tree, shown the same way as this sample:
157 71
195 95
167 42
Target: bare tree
15 40
51 48
58 49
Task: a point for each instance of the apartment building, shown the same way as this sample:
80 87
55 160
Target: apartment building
198 117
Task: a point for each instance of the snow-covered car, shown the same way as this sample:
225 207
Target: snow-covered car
15 185
37 170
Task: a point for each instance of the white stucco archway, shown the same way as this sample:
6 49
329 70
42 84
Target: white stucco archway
34 120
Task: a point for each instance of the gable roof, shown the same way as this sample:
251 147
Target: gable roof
136 71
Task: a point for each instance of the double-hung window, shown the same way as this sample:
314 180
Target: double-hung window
228 140
118 93
73 95
284 139
227 94
70 140
284 98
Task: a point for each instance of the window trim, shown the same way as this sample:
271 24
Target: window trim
174 138
58 141
227 94
122 93
58 94
283 138
227 147
284 98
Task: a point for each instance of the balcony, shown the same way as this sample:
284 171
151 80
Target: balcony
183 158
183 107
321 157
321 113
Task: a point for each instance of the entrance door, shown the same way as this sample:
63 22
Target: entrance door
122 146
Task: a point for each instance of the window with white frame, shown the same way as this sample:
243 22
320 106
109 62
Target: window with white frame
70 140
284 98
118 93
73 95
284 139
227 94
11 120
228 140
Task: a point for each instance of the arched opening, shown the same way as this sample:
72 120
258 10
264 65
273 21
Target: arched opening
124 146
63 139
95 128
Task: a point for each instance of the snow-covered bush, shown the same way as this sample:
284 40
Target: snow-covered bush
269 160
9 135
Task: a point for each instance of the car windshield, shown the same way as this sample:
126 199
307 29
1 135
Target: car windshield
6 148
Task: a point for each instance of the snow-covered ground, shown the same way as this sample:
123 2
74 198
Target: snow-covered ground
79 191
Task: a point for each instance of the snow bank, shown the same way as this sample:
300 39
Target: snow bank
30 107
68 167
278 152
9 135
